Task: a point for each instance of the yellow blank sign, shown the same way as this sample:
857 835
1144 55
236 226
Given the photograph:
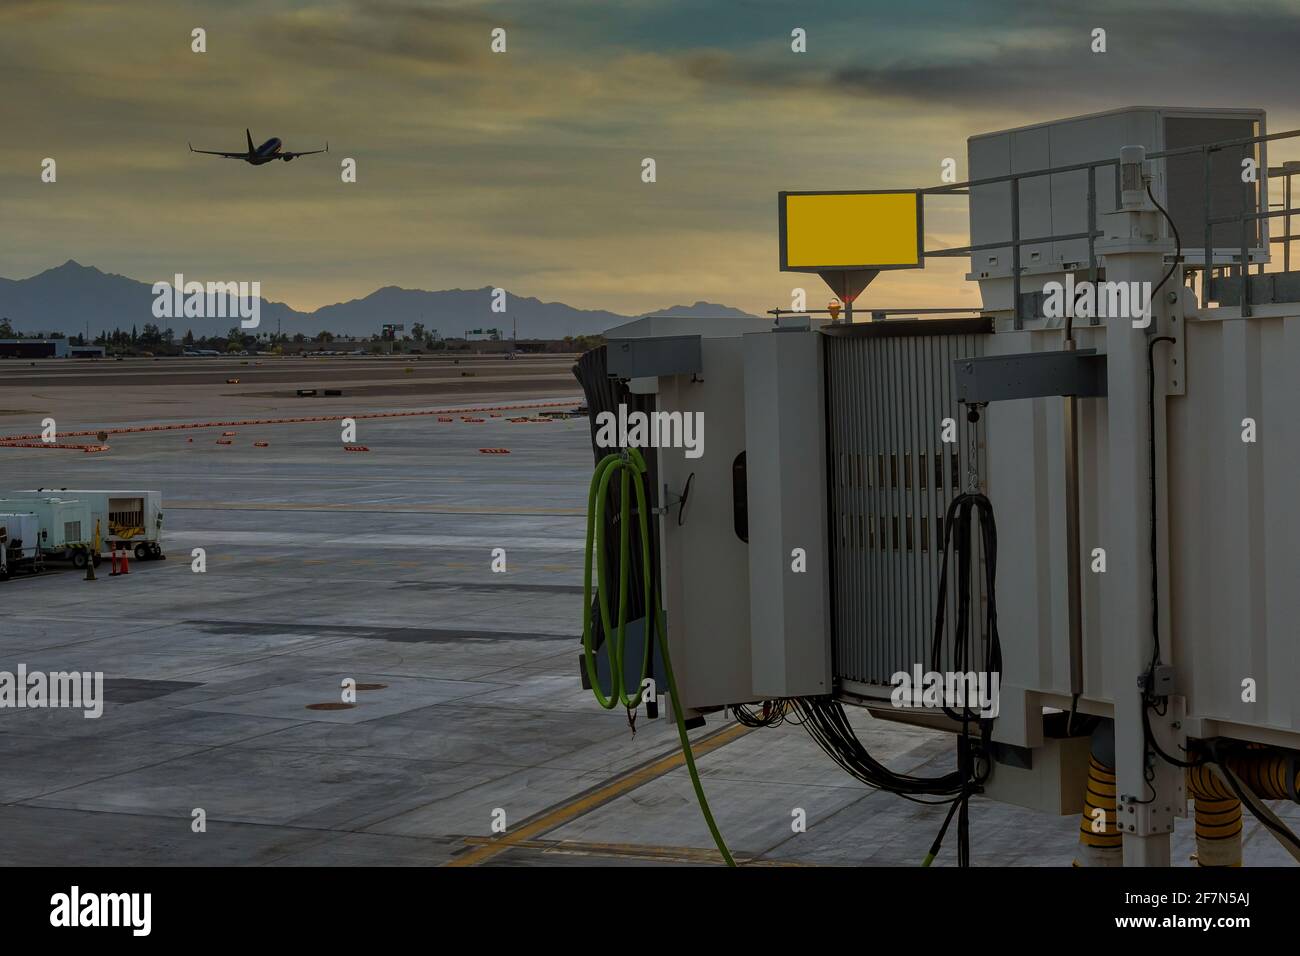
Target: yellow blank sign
850 230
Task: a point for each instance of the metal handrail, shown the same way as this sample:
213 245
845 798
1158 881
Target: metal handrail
1092 232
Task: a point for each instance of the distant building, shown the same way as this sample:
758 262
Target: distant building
33 348
85 351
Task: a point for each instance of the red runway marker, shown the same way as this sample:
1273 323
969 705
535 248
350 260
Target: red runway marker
16 441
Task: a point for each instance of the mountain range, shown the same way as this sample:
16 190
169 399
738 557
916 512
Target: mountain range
68 297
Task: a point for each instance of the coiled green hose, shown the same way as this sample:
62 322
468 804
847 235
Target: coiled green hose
630 466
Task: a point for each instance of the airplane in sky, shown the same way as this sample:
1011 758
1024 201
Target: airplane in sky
266 153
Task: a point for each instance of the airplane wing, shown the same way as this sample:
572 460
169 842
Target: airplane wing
213 152
310 152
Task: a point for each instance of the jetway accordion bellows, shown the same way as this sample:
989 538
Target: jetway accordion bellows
889 388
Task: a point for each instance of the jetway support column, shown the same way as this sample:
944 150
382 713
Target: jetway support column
1150 790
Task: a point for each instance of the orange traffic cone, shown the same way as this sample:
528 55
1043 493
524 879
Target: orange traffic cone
113 559
125 567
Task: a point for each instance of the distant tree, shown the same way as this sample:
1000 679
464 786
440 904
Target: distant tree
417 331
6 330
324 336
189 337
300 338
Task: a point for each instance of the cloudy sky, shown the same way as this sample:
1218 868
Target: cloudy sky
523 169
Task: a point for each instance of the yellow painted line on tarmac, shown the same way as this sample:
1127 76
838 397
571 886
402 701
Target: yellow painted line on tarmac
358 507
635 851
584 803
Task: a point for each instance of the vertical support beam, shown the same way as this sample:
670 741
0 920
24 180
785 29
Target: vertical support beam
1150 790
1074 595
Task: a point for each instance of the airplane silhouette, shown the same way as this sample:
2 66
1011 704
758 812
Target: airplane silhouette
266 153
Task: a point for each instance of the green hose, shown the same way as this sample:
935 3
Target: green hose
630 467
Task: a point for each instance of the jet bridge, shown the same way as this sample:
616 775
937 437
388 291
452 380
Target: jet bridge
1123 401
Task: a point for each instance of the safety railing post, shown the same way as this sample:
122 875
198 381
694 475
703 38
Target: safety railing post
1207 281
1286 243
1245 269
1015 253
1092 234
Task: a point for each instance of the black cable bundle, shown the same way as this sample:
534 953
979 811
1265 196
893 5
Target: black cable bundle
773 713
826 722
828 725
959 518
958 540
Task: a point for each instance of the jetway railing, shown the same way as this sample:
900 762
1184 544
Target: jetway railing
1092 233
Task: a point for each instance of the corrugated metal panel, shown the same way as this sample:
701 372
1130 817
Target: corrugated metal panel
892 480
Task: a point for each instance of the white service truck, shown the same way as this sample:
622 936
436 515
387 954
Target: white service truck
128 520
67 531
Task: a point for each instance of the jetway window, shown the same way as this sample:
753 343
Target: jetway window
740 498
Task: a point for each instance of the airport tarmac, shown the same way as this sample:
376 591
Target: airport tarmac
324 565
72 390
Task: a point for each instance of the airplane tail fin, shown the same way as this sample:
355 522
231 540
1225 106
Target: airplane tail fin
249 134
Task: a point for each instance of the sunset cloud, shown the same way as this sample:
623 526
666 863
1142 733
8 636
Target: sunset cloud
523 169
